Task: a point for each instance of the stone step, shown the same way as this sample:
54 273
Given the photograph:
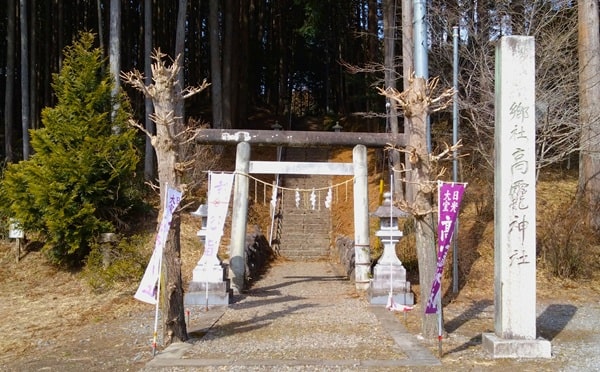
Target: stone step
305 232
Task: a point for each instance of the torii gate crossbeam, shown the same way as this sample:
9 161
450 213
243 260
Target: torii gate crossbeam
298 138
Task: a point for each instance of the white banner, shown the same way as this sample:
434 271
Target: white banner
219 193
147 290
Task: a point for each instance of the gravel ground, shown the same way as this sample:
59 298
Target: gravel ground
299 317
305 317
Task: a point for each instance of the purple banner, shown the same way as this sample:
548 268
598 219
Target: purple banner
449 198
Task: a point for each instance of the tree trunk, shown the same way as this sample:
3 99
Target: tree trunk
215 65
166 152
10 80
149 165
25 107
115 45
100 27
227 83
242 70
408 67
60 31
169 135
33 75
389 42
589 109
180 51
423 197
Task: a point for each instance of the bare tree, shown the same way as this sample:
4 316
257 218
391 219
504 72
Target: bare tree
171 136
417 102
554 28
589 99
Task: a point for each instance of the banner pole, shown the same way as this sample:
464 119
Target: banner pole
440 331
439 310
155 333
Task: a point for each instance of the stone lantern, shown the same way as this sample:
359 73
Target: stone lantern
389 274
202 213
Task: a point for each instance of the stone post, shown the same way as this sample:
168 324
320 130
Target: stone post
362 249
237 258
515 209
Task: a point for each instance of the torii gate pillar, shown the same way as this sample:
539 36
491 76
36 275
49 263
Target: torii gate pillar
237 257
362 249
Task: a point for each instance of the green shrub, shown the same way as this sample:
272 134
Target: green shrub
80 181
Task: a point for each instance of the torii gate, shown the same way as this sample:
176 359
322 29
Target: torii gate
243 167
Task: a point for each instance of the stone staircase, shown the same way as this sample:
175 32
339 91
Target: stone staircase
305 232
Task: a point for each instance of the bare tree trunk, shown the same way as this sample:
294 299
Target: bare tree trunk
423 196
10 80
215 65
408 67
149 165
25 103
389 41
100 25
33 99
115 45
60 41
179 51
589 111
227 83
167 143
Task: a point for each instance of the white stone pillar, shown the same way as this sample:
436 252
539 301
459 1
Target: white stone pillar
514 204
362 250
237 257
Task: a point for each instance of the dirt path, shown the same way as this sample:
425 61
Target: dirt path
306 315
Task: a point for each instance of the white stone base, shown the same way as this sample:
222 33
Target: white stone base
214 273
513 348
208 294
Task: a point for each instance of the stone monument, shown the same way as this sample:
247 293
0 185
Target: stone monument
515 209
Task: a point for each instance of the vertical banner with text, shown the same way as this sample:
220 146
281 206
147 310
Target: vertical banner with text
219 194
147 290
449 199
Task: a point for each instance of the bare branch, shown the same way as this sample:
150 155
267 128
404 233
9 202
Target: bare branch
190 91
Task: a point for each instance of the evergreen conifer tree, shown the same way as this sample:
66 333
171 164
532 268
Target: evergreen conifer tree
80 181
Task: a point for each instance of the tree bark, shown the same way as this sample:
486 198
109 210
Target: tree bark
149 165
180 51
10 80
33 68
169 135
115 45
389 42
589 109
423 196
408 67
215 65
25 101
227 66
